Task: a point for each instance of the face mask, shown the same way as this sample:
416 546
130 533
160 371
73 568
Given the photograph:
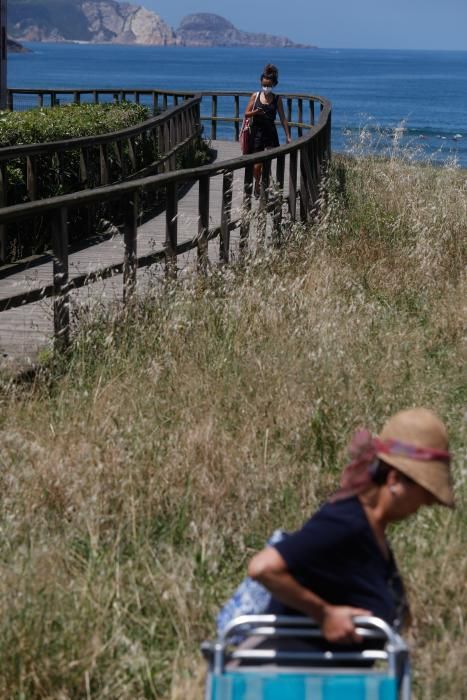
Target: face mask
267 90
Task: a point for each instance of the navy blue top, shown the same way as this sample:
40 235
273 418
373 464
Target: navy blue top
336 556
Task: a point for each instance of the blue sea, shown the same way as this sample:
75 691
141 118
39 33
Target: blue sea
382 99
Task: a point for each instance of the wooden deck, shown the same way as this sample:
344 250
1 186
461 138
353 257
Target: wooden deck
26 330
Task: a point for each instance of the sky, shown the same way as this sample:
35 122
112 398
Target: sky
372 24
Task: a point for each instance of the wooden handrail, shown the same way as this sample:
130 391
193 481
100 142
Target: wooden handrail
12 152
118 142
311 151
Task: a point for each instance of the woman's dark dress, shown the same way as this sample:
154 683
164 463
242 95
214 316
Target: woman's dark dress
263 131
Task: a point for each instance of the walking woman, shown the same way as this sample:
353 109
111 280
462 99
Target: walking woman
262 110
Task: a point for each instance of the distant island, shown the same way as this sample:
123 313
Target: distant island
206 29
108 21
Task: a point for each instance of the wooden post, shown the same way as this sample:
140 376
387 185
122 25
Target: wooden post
117 149
3 54
156 139
40 99
224 240
246 208
300 116
237 117
320 153
304 185
316 165
178 129
155 103
83 168
293 185
103 164
289 112
197 109
314 186
164 134
171 126
263 201
95 97
213 118
61 305
164 101
31 180
328 138
77 97
3 203
312 112
203 223
59 161
130 237
132 154
171 229
265 178
277 219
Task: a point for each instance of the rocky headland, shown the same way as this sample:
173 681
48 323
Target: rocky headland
96 21
108 21
16 47
207 29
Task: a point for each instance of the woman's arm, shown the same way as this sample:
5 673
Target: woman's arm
269 568
284 122
250 112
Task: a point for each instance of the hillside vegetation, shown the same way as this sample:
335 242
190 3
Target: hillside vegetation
139 474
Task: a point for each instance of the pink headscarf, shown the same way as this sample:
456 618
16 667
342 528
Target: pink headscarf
357 476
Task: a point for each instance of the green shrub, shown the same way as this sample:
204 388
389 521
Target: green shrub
60 174
67 122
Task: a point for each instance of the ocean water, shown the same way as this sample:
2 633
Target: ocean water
382 100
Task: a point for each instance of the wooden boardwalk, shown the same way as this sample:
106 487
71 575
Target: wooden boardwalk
26 330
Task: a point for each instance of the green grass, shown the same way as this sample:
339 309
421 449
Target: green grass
140 473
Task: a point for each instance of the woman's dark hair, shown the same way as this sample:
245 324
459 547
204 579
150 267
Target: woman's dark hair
271 73
379 472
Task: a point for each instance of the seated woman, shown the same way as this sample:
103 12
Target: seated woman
340 563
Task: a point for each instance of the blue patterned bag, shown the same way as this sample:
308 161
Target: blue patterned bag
250 598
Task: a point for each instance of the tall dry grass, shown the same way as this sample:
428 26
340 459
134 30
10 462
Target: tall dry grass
139 474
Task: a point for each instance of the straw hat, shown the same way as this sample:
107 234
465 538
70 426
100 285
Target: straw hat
421 428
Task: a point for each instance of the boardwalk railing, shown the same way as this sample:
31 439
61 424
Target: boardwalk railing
217 107
26 98
137 151
307 156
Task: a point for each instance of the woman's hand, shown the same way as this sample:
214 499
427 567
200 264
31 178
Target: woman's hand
253 112
337 624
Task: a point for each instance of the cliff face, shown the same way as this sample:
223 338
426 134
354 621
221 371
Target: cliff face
126 24
87 20
108 21
206 29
